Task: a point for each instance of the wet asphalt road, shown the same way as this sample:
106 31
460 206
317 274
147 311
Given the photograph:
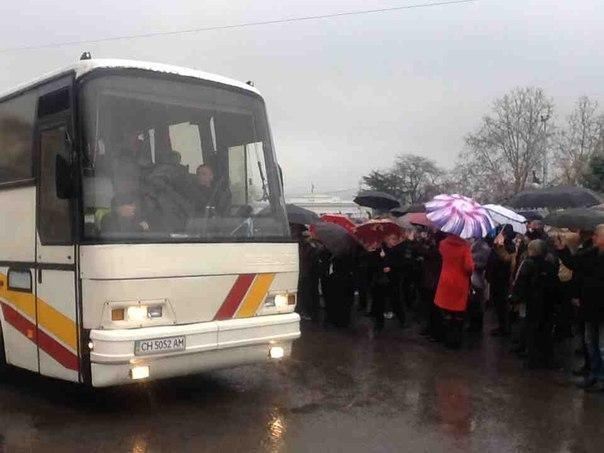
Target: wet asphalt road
341 391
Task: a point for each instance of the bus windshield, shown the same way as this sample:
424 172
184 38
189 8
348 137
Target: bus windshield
175 160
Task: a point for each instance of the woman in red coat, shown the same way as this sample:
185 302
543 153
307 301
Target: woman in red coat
454 286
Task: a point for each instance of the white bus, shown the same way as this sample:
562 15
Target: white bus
143 231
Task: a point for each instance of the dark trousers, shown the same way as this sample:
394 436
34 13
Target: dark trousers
499 296
338 290
564 315
437 324
426 308
380 295
539 342
476 310
409 289
362 285
452 325
308 295
592 339
580 326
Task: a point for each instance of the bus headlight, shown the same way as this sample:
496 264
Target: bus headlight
279 303
280 300
154 311
137 313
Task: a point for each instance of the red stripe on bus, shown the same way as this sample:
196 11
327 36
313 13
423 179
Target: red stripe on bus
57 351
230 305
45 342
19 322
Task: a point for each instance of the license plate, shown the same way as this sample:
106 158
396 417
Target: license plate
159 345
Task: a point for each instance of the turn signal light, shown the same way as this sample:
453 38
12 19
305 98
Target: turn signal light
291 299
117 314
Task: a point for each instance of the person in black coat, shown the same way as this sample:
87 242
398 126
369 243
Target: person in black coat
499 271
588 268
362 278
536 285
385 270
481 252
338 289
309 251
430 262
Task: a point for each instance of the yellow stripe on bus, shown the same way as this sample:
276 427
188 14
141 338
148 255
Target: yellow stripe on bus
255 295
57 324
49 318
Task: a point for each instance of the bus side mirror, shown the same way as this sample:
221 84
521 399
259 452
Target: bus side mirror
281 176
63 181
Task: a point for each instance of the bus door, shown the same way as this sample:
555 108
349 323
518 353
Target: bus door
55 251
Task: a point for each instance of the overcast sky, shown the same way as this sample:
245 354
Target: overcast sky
345 95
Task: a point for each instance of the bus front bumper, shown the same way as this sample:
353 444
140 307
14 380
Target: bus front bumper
204 346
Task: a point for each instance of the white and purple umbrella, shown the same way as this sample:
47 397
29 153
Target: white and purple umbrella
502 216
459 215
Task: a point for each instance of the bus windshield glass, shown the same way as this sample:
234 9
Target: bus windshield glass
175 160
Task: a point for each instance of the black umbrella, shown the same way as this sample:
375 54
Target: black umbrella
295 214
556 198
335 238
376 200
401 211
530 215
302 216
579 218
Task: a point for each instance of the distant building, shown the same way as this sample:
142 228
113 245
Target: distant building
329 204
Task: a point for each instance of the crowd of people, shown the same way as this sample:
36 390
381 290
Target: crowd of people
545 285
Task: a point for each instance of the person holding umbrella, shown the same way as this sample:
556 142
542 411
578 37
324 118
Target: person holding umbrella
337 282
588 267
462 218
453 288
430 262
381 238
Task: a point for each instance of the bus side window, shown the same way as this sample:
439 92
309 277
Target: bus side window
16 137
54 221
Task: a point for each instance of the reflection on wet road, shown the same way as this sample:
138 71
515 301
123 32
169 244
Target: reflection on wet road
340 391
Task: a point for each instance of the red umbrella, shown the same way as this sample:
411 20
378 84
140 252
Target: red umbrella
417 218
341 220
371 234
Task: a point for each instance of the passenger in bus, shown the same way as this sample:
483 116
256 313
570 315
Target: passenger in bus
209 195
168 189
204 183
125 216
131 163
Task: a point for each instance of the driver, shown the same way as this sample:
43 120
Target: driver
209 196
125 215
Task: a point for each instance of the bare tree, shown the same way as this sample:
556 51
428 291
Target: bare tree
412 179
473 180
580 139
383 181
418 177
510 143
